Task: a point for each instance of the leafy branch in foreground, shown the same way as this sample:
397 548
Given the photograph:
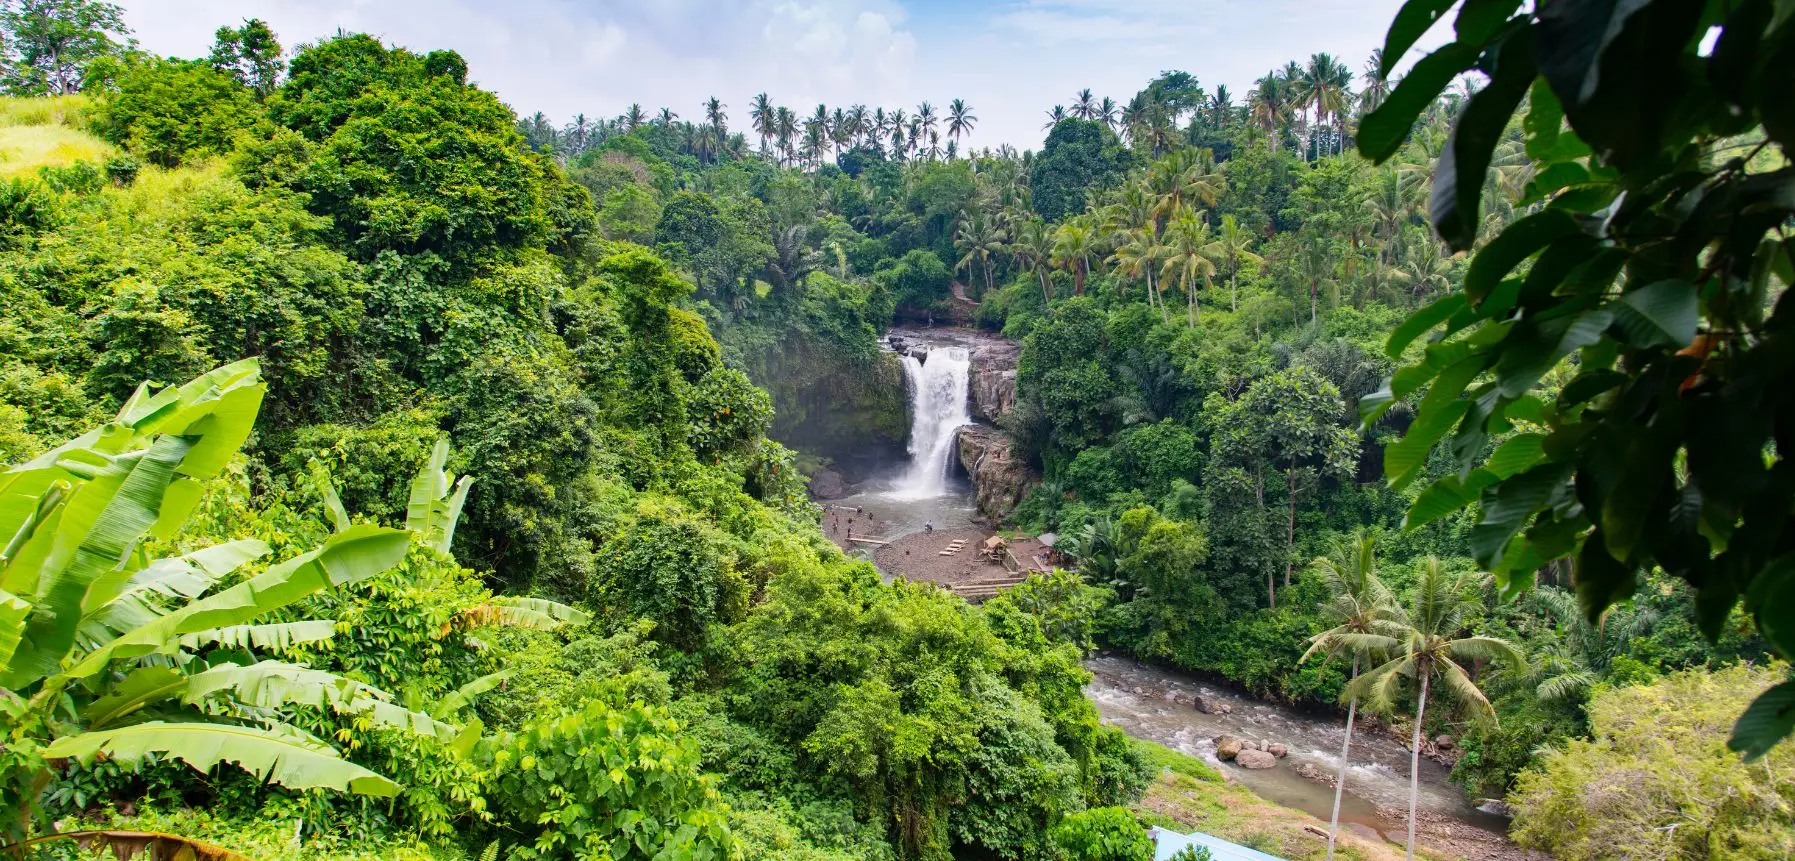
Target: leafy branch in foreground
104 652
1650 275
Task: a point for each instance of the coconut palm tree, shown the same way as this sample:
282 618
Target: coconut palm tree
1108 112
718 120
1221 107
1139 256
1233 245
634 118
1318 86
667 117
1073 244
785 130
1268 107
1084 105
1055 116
1182 179
1395 198
925 118
960 119
763 117
1377 86
1357 601
979 238
1188 257
1033 249
1426 269
1428 647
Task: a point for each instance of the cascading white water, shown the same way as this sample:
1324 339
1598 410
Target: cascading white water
938 388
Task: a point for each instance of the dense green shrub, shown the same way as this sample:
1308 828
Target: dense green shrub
604 783
1102 834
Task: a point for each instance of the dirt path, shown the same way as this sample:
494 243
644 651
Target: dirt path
918 557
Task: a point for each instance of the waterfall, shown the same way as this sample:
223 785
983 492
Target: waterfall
938 386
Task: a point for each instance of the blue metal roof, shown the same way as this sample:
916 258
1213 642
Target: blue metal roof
1168 843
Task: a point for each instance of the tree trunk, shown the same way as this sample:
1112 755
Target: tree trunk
1290 535
1352 710
1234 294
1314 302
1191 294
1424 671
1046 291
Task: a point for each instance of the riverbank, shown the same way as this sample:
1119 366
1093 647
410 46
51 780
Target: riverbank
1187 715
1191 795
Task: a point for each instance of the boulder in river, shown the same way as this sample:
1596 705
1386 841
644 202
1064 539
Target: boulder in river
1209 706
1278 750
1227 747
1255 759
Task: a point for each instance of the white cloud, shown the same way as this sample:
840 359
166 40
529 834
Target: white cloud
1011 59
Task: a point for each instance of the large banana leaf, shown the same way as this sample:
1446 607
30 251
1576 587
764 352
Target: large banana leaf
432 511
275 684
87 547
12 623
279 635
356 554
278 758
130 599
143 687
427 488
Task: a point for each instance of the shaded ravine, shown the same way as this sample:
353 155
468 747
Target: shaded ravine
1153 704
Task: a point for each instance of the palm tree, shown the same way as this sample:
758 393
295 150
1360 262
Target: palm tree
1428 647
1084 105
1183 178
785 131
978 239
1377 87
1268 107
1394 199
1139 256
1426 269
634 118
1233 246
1055 116
1221 107
1073 245
960 119
667 116
1033 249
1108 112
925 118
1357 601
764 118
1187 253
718 120
1318 86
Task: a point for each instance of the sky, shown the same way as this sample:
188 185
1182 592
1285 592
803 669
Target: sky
1011 60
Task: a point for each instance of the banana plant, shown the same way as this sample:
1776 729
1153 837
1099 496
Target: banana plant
106 652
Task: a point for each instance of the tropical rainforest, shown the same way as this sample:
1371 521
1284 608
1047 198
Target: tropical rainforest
394 475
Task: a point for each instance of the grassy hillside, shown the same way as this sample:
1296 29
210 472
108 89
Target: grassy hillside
46 132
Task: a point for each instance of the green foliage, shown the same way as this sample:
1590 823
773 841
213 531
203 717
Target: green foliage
1657 437
609 783
169 112
1078 158
1658 754
55 43
1102 834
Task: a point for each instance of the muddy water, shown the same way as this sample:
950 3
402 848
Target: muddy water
1139 700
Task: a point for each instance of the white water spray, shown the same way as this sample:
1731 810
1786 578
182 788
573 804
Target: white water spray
938 387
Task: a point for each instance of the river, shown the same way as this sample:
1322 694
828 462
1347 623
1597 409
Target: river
1139 699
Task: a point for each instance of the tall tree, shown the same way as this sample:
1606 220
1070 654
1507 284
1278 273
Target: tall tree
1084 105
1233 245
1073 245
1187 257
54 41
1139 256
717 120
960 119
1428 647
251 53
763 116
1357 602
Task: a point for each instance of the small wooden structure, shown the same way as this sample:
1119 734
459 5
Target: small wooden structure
995 549
953 547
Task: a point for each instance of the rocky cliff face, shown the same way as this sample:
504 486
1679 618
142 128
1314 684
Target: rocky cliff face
993 379
999 478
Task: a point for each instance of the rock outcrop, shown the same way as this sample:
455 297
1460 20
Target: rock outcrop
993 384
999 477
